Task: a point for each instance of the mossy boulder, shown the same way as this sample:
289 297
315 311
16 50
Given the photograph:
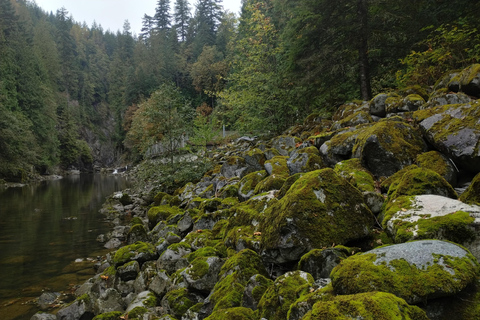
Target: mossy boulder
340 146
378 105
467 81
320 262
286 289
161 213
388 146
305 160
239 313
369 305
136 233
234 275
255 159
202 273
277 166
174 257
248 184
472 194
437 162
433 217
176 302
228 191
114 315
415 271
454 130
272 182
287 184
285 144
235 167
128 271
347 110
139 251
419 181
352 171
254 290
319 209
81 308
359 117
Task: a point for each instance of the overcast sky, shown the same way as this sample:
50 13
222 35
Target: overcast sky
112 13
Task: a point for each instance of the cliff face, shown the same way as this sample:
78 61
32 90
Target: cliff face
290 228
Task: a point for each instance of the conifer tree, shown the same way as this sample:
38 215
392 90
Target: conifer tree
182 18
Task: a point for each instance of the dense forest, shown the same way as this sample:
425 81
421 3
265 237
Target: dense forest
76 96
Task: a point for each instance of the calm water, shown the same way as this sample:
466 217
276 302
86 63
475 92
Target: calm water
44 228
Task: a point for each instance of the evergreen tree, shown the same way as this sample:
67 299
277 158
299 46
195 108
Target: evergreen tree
182 18
162 15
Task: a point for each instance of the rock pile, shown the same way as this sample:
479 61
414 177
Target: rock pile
357 217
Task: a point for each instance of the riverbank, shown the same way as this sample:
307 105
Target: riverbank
354 215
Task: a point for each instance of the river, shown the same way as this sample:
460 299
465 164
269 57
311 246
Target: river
44 228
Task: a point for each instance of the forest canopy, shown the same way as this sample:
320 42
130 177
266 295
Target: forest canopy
76 96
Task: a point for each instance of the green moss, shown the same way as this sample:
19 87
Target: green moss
401 278
287 184
263 284
272 182
239 313
353 172
162 212
136 220
180 245
400 141
321 205
455 226
276 300
210 205
371 305
110 271
228 203
114 315
386 183
203 252
151 301
419 181
234 275
472 194
137 313
179 301
229 191
128 253
279 166
435 161
198 268
250 181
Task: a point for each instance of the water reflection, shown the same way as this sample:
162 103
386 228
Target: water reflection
43 229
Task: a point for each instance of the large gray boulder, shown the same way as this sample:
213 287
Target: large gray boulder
305 160
319 209
415 271
285 144
454 130
388 146
110 300
174 258
202 273
433 217
81 308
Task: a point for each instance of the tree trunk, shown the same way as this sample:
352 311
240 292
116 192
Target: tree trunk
364 69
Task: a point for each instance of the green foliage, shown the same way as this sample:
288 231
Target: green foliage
162 118
448 47
256 96
205 129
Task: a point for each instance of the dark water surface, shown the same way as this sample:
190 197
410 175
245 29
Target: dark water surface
44 228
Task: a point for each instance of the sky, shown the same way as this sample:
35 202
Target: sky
111 14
